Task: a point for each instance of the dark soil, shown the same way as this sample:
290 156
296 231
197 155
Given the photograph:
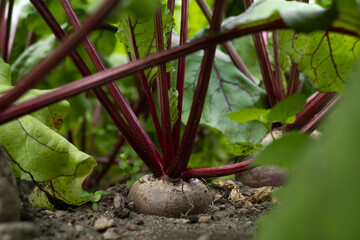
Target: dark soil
231 216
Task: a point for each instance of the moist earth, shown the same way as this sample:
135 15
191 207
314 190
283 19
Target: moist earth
232 215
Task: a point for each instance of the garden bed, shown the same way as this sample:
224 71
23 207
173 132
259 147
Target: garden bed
231 216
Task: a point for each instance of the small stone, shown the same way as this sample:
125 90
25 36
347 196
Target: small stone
181 221
131 206
122 213
212 209
60 213
63 228
79 228
131 226
103 223
204 219
48 212
119 201
203 237
222 206
243 212
139 222
248 204
111 233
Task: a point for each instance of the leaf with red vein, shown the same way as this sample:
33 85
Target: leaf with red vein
328 58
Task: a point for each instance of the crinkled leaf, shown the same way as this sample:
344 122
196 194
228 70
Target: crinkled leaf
286 110
327 58
297 15
41 151
38 150
242 149
173 102
47 156
247 115
283 151
229 90
138 34
31 57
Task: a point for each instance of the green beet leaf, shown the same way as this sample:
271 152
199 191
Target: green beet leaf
328 58
286 110
297 15
242 149
247 115
283 151
31 57
173 102
229 90
348 15
138 34
37 150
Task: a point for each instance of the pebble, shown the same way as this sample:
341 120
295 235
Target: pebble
243 212
222 206
181 221
122 213
131 206
63 228
119 201
103 223
111 233
204 219
203 237
60 213
213 208
19 230
221 215
131 226
139 222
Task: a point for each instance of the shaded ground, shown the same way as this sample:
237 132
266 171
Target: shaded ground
231 216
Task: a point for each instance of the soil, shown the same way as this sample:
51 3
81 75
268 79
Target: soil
232 215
